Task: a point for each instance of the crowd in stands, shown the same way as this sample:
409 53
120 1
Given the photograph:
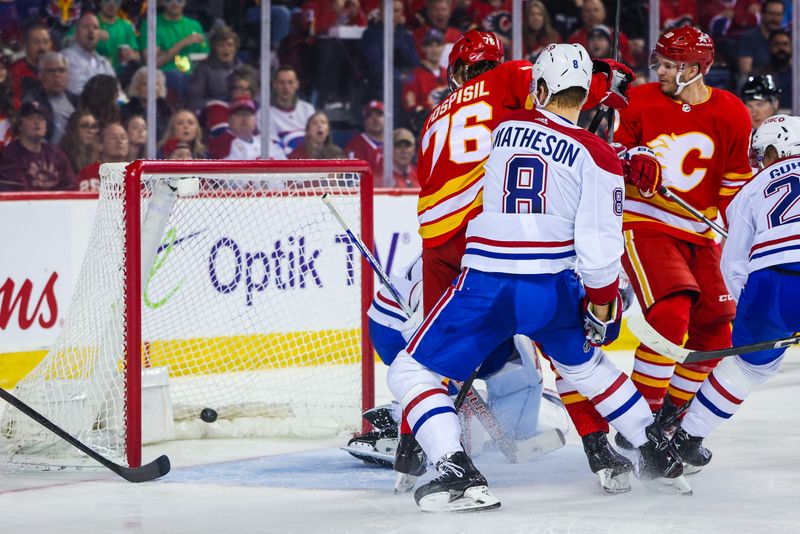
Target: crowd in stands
73 85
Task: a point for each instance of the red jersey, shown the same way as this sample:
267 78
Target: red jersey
361 146
89 177
704 154
455 143
421 89
19 71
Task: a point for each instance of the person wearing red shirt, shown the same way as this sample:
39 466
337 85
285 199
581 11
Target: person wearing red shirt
25 71
700 136
405 172
438 14
113 149
429 79
593 14
368 145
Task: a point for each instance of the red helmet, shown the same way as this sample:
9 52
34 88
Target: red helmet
687 45
472 47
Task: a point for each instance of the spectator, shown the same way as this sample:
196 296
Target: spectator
405 172
317 143
754 49
729 18
137 100
760 95
136 128
113 149
209 80
178 38
246 143
82 57
438 14
491 16
538 31
185 127
593 13
780 65
288 115
599 43
422 92
368 145
176 149
25 71
80 139
52 94
676 13
371 55
6 116
101 96
29 163
243 81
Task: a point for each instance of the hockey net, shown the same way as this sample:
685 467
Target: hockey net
227 285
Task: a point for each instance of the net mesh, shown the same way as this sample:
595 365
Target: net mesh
251 303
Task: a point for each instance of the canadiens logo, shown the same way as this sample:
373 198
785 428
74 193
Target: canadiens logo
543 120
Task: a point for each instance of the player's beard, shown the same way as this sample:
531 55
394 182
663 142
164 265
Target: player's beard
668 87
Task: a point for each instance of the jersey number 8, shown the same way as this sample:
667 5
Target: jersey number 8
525 185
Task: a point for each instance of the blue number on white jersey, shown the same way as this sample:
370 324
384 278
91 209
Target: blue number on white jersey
790 186
526 182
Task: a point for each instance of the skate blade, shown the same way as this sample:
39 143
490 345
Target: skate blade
370 456
474 499
614 485
540 445
404 483
677 485
689 469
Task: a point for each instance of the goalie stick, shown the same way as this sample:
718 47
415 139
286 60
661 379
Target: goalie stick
650 337
155 469
467 392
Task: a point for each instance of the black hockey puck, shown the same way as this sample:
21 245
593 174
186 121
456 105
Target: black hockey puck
208 415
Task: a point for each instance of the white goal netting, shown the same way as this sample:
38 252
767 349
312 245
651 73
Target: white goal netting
251 306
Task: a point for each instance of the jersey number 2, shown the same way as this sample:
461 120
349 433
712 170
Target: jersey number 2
790 186
525 185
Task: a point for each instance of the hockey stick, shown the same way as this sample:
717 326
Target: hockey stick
666 193
603 110
467 391
650 337
155 469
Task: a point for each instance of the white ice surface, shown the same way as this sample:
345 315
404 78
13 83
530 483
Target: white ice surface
752 485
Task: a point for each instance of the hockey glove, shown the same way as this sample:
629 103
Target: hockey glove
640 168
598 332
610 82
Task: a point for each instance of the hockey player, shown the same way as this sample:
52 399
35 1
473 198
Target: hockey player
552 202
515 390
454 146
700 136
761 266
760 95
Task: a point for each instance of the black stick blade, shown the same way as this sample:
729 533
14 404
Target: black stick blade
155 469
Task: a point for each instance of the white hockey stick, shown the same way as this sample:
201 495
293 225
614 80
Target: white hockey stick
650 337
482 412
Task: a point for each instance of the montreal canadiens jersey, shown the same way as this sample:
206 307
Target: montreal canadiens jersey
387 312
553 200
704 154
455 143
764 224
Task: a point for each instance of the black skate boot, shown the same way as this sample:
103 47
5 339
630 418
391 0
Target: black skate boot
668 417
623 443
659 461
378 446
409 462
612 468
691 451
381 418
460 487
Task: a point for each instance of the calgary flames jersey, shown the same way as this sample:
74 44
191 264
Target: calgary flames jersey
455 143
704 154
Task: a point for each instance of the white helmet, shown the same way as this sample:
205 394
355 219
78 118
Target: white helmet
561 66
780 131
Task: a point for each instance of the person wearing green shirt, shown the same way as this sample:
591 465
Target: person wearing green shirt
117 37
177 38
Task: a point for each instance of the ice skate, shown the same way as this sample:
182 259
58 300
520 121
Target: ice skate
409 462
611 467
658 461
691 451
460 487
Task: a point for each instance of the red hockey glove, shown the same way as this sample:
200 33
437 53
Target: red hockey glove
610 82
640 168
598 332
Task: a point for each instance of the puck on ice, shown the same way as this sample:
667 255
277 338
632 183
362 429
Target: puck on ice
208 415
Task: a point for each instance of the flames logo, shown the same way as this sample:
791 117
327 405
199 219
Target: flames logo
673 150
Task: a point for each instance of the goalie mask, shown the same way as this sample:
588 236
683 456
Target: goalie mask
561 66
685 46
780 131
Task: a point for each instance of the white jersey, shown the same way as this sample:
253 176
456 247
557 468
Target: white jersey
763 224
288 127
552 200
386 312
